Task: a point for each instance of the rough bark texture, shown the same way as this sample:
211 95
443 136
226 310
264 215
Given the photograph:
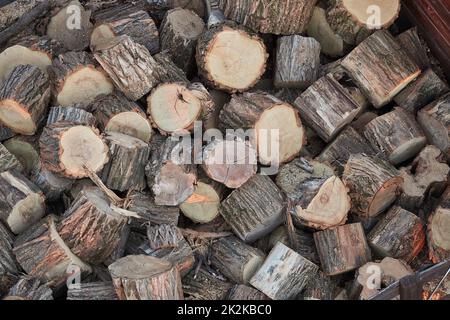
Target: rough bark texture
243 292
29 289
438 230
74 115
163 236
92 291
415 47
321 287
202 285
9 268
8 161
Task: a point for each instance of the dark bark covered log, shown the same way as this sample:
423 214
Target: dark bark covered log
92 291
158 8
73 115
298 61
139 277
9 268
69 149
438 230
202 285
230 58
415 47
342 249
6 133
126 167
77 79
26 150
360 123
50 183
264 16
327 107
168 71
120 247
203 205
399 234
24 96
396 135
163 236
180 30
380 68
283 274
255 209
321 287
8 161
236 260
29 289
243 292
373 185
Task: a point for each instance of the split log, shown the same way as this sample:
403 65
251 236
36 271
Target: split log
170 173
264 16
180 30
24 96
243 292
115 113
438 230
427 88
202 285
92 226
396 134
380 68
297 63
139 277
327 107
373 184
399 234
69 149
279 133
126 167
92 291
355 20
321 287
435 122
125 20
235 260
347 143
203 205
230 58
342 249
415 47
29 289
77 79
21 202
283 274
319 197
74 115
255 209
71 26
8 160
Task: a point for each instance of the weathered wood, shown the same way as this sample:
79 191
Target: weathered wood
71 114
438 230
415 47
6 133
92 291
8 160
163 236
158 8
342 249
202 285
203 205
9 268
26 150
168 71
321 287
29 289
243 292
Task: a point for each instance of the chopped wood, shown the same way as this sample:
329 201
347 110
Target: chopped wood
244 292
438 230
73 115
8 160
321 287
29 289
26 150
92 291
163 236
415 47
202 285
203 205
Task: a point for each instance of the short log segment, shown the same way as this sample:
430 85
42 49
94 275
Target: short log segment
9 268
202 285
29 289
244 292
373 184
69 149
327 107
180 30
139 277
73 115
203 205
77 79
231 59
236 260
415 47
438 230
92 291
342 249
24 97
321 287
279 133
399 234
255 209
8 160
163 236
297 62
396 134
283 274
380 68
264 16
21 202
126 167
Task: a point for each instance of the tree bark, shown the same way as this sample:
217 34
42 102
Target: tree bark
415 47
29 289
321 287
163 236
243 292
92 291
8 161
438 230
74 115
202 285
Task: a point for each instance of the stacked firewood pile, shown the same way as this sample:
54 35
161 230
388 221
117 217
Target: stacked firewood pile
340 190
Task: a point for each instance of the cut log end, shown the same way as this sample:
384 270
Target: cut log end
203 205
385 196
362 11
16 117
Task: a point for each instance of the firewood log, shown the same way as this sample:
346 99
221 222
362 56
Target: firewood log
125 19
236 260
283 274
327 107
9 268
126 167
348 142
360 123
120 247
202 285
380 68
6 133
438 230
42 253
168 71
50 183
71 114
8 160
321 287
24 97
92 291
399 234
264 16
159 8
435 123
163 236
265 114
92 225
244 292
396 135
180 30
355 20
374 185
77 79
415 47
230 58
21 202
139 277
255 209
29 289
25 149
319 197
69 149
71 26
342 249
170 177
203 205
